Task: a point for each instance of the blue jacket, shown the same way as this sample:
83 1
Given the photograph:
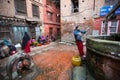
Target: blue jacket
76 34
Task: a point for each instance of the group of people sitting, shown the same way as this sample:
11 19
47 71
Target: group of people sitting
41 40
27 41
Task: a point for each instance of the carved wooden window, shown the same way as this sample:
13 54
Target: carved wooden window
20 6
35 10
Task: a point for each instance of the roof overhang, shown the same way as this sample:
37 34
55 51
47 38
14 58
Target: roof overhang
34 20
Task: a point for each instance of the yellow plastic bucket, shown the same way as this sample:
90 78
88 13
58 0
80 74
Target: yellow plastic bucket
76 60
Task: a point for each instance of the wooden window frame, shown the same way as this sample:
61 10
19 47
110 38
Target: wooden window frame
50 17
35 11
20 6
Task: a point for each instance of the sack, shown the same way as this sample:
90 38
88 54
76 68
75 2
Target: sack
18 46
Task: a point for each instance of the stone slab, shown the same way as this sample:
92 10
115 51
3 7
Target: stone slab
79 73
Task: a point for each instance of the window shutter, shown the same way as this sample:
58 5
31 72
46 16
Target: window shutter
20 6
35 10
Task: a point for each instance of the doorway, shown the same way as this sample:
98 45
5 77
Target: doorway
50 31
58 33
18 33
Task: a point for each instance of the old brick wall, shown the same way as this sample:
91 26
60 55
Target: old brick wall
7 8
88 10
47 24
29 7
97 24
67 31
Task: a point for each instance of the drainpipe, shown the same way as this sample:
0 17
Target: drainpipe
94 5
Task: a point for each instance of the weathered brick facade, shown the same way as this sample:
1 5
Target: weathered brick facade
99 21
87 11
51 27
14 20
7 8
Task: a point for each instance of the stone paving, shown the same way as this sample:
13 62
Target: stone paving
54 62
41 49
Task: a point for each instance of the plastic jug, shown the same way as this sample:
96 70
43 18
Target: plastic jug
76 60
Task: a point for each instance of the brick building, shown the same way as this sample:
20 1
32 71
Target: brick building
113 23
77 12
18 16
51 18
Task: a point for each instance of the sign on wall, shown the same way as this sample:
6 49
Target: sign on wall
106 9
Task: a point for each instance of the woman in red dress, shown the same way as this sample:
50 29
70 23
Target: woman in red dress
26 43
78 37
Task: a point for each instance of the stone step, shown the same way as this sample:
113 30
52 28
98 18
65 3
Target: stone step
42 48
79 73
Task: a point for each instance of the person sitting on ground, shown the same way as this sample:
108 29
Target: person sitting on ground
39 39
47 38
53 38
43 40
34 42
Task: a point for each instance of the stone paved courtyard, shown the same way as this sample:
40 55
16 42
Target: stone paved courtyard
55 63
